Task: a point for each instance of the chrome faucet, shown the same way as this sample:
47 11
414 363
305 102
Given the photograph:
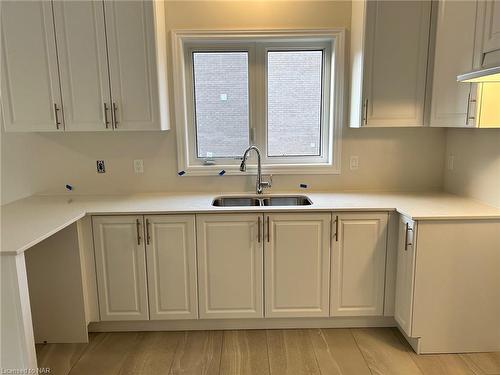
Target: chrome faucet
259 185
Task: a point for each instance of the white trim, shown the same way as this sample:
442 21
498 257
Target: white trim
335 37
258 323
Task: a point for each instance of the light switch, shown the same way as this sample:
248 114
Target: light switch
450 162
138 166
354 162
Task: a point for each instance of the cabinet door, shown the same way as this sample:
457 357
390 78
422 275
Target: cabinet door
81 47
358 264
396 48
121 267
405 274
230 267
454 54
132 63
297 259
491 35
171 261
30 78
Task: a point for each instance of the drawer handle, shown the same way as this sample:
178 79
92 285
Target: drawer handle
56 115
148 235
115 118
408 229
336 229
138 227
106 120
365 112
268 231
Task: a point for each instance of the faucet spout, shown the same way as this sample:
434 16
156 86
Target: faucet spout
259 185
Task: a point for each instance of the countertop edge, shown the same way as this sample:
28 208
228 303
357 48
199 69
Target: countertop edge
89 206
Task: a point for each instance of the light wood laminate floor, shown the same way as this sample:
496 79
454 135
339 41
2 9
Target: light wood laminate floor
370 351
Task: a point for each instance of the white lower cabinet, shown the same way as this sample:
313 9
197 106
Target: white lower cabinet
297 264
230 265
136 257
248 265
405 275
359 246
121 267
171 266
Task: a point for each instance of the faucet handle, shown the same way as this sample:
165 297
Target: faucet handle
269 181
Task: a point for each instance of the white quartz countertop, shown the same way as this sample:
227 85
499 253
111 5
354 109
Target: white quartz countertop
28 221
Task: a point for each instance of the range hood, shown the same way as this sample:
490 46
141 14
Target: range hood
489 74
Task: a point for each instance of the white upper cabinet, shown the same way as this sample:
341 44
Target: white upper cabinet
31 96
389 54
452 102
230 265
297 264
487 43
121 267
83 64
171 264
132 62
491 35
358 264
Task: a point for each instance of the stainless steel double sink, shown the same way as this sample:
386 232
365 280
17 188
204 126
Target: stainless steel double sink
253 201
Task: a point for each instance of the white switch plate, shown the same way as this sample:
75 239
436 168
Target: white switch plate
138 166
450 162
354 162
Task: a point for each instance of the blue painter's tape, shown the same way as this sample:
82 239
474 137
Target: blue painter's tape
303 186
181 173
222 173
69 187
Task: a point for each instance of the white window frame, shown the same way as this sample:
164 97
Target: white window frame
331 41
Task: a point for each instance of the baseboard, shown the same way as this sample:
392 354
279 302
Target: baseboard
227 324
413 341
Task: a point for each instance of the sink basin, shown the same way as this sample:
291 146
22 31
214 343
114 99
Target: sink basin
291 200
236 202
298 200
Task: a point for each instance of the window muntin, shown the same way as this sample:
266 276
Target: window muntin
221 105
294 103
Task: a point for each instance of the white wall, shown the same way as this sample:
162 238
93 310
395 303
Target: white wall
476 166
390 159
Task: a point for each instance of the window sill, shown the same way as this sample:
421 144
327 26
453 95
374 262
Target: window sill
233 170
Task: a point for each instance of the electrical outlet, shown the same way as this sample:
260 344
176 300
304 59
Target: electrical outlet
354 162
450 162
100 166
138 166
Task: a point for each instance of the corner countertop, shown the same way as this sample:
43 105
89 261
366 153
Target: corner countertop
28 221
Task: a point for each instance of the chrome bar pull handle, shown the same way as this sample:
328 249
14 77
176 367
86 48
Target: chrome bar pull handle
56 116
106 121
365 112
148 234
408 229
268 230
467 114
336 229
259 232
113 112
138 227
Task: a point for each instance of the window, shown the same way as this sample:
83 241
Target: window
281 91
220 87
294 80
